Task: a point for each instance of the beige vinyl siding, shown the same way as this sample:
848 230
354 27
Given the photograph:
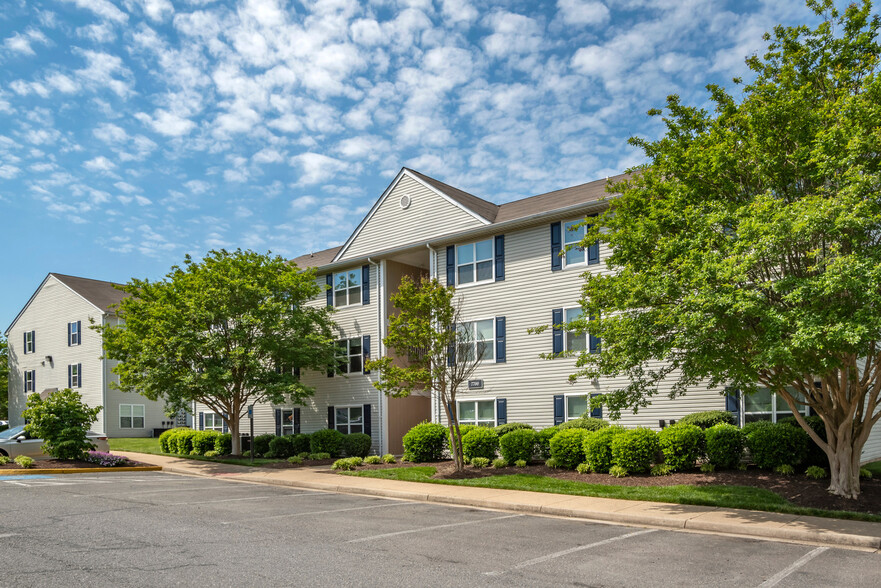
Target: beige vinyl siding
429 215
526 299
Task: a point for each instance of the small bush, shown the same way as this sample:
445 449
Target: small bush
463 430
500 463
212 453
295 459
223 444
304 454
634 450
204 441
543 441
389 458
551 463
164 440
520 463
707 468
373 459
357 444
480 442
598 448
865 473
776 445
260 445
246 453
300 443
62 421
682 445
618 471
425 442
586 423
326 441
816 456
785 469
749 428
479 462
583 468
724 445
567 447
518 444
182 441
4 460
281 447
345 464
661 469
708 418
24 461
106 460
357 460
817 473
503 430
319 456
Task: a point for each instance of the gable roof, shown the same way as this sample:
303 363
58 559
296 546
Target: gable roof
317 258
484 208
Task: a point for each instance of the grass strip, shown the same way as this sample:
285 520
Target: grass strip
151 446
746 497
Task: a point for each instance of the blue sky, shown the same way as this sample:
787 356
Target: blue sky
133 132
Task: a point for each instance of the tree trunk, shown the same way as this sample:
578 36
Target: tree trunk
844 467
236 438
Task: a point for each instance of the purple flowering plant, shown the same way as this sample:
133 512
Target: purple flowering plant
105 459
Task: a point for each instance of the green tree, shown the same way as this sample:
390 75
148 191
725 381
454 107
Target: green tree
432 350
227 332
61 421
4 379
747 252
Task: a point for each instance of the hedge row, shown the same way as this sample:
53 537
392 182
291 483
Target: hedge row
185 441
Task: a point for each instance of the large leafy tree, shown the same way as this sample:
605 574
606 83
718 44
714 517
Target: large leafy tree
4 379
228 331
61 421
432 350
747 252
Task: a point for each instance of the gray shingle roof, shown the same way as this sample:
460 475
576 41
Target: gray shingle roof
101 294
316 259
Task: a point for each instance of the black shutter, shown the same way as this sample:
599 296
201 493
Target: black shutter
368 429
365 284
556 247
278 422
225 422
501 356
201 421
34 341
331 418
594 343
559 408
69 342
297 421
297 372
69 377
501 411
79 375
451 266
500 258
24 342
451 348
597 412
329 289
79 332
732 401
365 352
557 320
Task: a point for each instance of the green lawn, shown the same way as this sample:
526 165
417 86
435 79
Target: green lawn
151 445
874 467
722 496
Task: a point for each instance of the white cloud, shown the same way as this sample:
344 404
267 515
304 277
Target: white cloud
242 212
62 83
99 164
156 10
458 11
317 168
110 133
142 200
513 34
103 8
268 155
127 188
167 123
197 186
104 70
582 12
304 202
21 43
99 33
8 171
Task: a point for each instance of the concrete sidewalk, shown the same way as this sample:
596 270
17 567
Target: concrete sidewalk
743 523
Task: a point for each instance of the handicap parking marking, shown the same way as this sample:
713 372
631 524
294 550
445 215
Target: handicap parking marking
19 477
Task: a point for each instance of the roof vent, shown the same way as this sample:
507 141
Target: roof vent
405 201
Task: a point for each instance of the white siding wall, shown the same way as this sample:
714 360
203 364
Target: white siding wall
526 299
429 215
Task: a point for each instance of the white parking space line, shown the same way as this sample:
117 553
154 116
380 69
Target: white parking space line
236 499
123 493
782 574
421 529
5 535
314 512
565 552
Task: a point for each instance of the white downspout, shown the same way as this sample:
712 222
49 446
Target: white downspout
380 291
432 273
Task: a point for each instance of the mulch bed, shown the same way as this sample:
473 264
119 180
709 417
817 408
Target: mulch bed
60 464
309 463
797 489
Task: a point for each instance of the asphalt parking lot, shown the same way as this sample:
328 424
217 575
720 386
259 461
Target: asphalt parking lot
158 529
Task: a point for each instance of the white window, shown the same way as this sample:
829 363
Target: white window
478 412
576 406
347 288
131 416
476 340
30 379
287 422
73 333
213 422
474 262
29 341
765 405
575 254
575 340
349 419
75 378
349 355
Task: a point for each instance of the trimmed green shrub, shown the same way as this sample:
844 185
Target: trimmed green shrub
583 468
61 421
755 425
24 461
304 454
785 469
373 459
500 463
300 443
261 444
543 442
246 453
327 441
204 441
295 459
586 423
319 456
282 447
357 444
211 453
707 468
345 464
4 459
503 430
724 445
617 471
597 448
389 458
816 456
425 442
816 473
518 444
223 444
463 430
479 462
567 447
682 446
866 473
480 442
165 440
776 445
708 418
635 450
520 463
661 469
182 441
551 463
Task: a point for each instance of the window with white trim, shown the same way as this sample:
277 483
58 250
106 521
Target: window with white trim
576 406
476 340
573 234
30 379
347 288
74 336
575 340
131 416
75 375
212 422
477 412
29 338
287 421
764 405
349 419
474 263
349 355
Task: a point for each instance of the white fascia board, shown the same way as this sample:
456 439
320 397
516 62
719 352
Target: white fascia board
34 295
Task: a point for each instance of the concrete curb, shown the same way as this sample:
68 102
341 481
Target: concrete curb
109 470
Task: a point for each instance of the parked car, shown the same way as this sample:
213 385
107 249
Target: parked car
16 441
